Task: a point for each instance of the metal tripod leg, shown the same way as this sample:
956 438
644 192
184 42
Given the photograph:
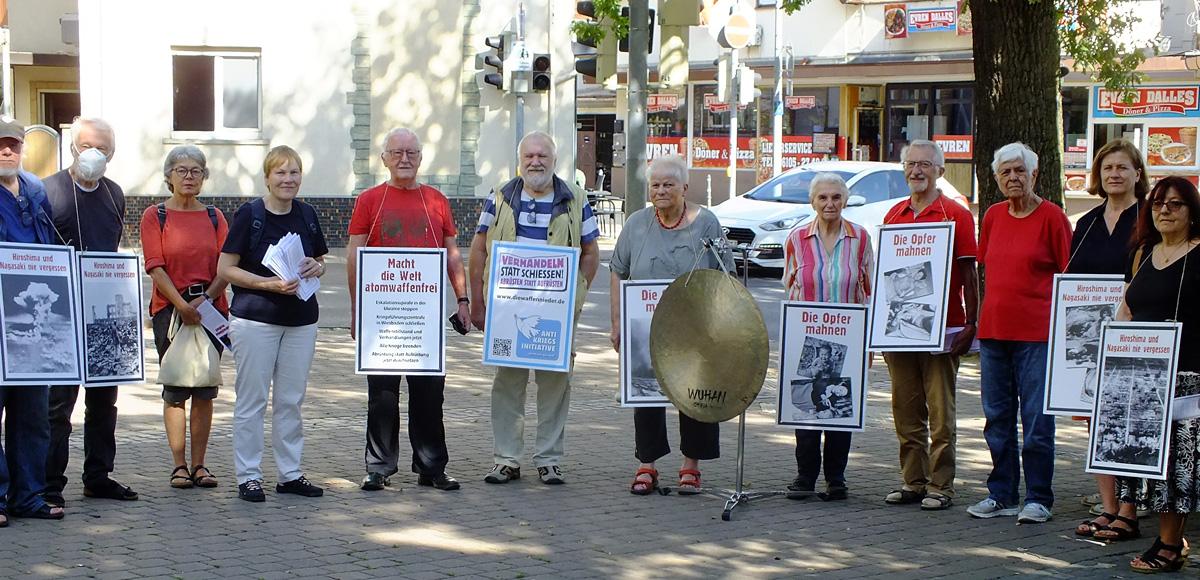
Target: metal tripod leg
735 497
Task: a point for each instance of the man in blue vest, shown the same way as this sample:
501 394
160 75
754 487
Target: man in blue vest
24 218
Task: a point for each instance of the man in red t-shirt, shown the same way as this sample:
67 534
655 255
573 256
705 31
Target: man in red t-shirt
923 383
401 212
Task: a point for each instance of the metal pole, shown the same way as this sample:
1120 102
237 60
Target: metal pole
733 121
519 109
635 126
777 111
741 453
6 62
708 198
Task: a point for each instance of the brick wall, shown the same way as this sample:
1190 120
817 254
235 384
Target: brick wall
333 212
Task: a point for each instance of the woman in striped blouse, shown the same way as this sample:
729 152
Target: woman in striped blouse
829 260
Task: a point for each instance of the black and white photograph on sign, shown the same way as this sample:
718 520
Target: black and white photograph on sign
910 306
1083 333
639 385
823 366
110 293
39 325
821 358
1082 304
909 282
1131 416
1133 395
911 320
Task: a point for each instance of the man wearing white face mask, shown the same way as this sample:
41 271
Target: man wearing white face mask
89 212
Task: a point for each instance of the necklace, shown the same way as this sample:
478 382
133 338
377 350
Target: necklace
1183 247
677 223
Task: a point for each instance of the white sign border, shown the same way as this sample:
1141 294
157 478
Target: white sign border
137 261
626 376
937 336
572 255
73 283
861 392
1051 352
358 356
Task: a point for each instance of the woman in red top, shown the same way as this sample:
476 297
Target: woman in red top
1023 243
181 241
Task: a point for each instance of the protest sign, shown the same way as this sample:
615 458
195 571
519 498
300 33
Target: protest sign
399 312
1131 415
39 309
530 306
1082 304
912 285
639 385
110 290
822 366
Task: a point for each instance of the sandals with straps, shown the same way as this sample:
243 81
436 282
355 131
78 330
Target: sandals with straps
1155 562
1088 528
1111 533
641 486
206 480
181 481
689 486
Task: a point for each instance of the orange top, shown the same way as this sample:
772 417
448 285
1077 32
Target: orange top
186 247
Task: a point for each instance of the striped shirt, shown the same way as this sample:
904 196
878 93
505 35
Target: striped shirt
533 219
814 275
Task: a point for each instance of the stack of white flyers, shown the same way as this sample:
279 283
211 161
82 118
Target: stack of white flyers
283 258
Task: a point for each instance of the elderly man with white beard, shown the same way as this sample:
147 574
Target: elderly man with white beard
535 208
89 213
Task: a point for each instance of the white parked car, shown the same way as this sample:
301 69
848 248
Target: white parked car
761 219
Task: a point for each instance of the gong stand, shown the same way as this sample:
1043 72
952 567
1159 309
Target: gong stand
736 496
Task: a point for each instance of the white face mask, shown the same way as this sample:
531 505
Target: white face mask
90 164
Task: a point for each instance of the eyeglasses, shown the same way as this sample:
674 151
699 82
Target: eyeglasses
1172 206
921 164
399 153
184 172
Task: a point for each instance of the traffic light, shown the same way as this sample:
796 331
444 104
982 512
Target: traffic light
541 73
623 45
748 82
490 60
595 58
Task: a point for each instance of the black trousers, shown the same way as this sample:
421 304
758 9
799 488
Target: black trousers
697 440
426 433
99 435
808 456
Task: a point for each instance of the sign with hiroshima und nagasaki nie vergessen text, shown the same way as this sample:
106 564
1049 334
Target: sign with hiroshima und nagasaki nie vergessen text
39 316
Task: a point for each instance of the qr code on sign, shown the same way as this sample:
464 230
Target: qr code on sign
502 347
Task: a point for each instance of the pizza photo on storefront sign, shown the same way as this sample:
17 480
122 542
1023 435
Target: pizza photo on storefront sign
1171 146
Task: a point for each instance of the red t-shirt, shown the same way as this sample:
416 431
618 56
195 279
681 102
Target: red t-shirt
187 248
1021 260
406 218
944 209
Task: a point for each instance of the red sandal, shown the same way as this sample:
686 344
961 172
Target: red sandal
689 486
642 487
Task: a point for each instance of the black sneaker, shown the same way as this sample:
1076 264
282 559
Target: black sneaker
374 481
299 486
252 491
441 481
800 489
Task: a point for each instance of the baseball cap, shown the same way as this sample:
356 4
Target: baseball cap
10 129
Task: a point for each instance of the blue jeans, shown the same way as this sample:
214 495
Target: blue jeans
26 426
1014 381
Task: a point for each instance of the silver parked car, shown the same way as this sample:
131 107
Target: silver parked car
761 219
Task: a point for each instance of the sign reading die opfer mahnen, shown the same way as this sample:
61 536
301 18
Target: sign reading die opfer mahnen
912 286
399 311
530 306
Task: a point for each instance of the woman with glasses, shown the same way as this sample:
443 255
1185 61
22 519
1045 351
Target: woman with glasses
181 241
1161 285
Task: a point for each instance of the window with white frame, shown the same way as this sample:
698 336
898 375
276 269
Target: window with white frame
216 92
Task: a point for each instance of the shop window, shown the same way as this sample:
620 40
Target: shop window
711 116
806 111
667 115
908 118
1075 116
1105 132
954 111
937 112
216 92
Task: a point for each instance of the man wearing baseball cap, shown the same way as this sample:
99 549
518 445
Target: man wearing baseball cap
24 218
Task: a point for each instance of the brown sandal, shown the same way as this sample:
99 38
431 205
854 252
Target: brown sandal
206 480
181 481
689 486
641 486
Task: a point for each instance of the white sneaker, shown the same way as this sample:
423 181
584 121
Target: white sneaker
990 508
1034 513
1087 500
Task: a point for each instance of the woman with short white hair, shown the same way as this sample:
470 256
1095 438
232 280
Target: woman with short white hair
1023 243
828 260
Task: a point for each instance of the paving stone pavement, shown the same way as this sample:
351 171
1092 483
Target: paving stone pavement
590 528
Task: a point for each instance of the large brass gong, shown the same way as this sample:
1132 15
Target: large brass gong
708 346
